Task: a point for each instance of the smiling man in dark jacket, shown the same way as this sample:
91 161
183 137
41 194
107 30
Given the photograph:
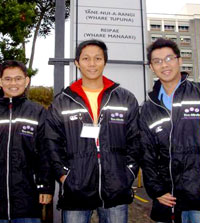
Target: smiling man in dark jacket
170 124
92 136
24 170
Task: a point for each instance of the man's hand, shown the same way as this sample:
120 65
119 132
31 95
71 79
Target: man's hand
167 199
62 179
45 198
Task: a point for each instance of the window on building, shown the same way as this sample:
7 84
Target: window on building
187 68
155 27
183 28
187 54
171 37
169 27
185 40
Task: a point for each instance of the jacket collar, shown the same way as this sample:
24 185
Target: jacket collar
76 91
15 100
153 95
77 86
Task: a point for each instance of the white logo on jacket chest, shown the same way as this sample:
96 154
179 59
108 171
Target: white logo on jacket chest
73 117
117 117
27 130
192 113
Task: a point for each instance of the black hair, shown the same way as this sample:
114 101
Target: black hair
94 42
160 43
13 63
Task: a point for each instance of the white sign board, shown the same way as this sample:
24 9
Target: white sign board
119 24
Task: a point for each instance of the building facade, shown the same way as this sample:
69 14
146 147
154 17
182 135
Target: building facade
184 29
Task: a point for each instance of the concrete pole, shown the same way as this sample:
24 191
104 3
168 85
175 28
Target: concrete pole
59 45
59 75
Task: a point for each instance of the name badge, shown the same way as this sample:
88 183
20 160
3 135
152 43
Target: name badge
90 131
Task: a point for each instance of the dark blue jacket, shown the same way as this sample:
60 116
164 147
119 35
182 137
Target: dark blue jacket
171 148
99 174
23 164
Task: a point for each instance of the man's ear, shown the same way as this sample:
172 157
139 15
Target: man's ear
77 64
180 61
27 81
151 68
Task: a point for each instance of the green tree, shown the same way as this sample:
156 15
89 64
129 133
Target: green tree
19 20
45 20
16 22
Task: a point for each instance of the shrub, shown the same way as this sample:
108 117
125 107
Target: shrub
42 95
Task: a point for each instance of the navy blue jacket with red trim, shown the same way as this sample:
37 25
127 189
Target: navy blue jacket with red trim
98 174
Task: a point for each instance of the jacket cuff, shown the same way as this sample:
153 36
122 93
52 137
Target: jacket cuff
46 189
62 172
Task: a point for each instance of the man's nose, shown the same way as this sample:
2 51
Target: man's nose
164 63
92 62
13 80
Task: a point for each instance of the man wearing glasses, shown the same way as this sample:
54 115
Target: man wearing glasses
170 132
24 170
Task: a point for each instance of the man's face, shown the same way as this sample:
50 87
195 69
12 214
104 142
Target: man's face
13 82
166 65
91 63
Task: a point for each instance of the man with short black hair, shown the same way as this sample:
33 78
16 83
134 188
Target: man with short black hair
25 181
92 136
170 130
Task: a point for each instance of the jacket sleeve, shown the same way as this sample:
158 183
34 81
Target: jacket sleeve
149 160
133 136
44 177
55 140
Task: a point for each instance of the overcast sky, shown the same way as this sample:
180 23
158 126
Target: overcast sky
168 6
45 47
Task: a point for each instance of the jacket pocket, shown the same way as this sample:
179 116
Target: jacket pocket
130 175
63 183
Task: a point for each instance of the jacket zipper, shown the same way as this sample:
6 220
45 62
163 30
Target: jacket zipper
98 151
170 142
96 142
100 169
170 149
62 187
107 100
170 138
8 157
129 167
